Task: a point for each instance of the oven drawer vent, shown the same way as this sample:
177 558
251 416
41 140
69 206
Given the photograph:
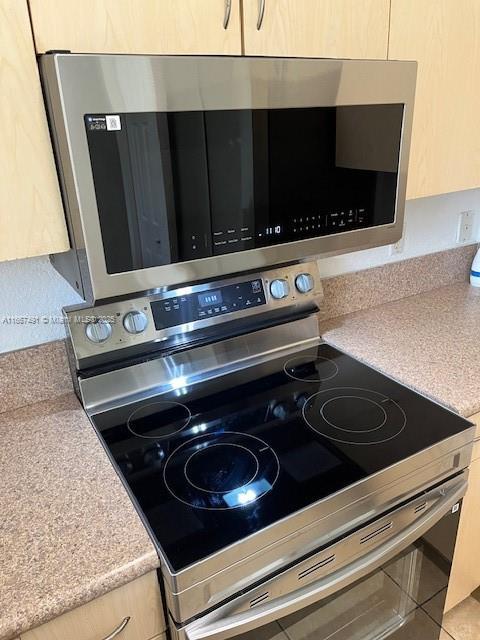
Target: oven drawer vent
316 566
420 507
377 532
259 599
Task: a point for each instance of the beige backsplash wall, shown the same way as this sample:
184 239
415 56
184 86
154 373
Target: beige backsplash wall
368 288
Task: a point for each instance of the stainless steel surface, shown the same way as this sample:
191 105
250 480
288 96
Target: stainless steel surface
88 353
220 576
261 13
228 12
329 571
178 370
135 321
98 331
76 84
116 632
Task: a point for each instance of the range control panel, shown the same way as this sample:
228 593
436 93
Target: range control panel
136 322
210 303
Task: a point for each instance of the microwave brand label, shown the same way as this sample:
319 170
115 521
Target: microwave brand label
104 123
113 123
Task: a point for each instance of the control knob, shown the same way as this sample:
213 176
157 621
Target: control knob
280 411
279 289
98 331
304 282
135 321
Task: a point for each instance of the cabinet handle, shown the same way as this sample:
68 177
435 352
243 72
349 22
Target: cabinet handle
261 13
228 11
119 629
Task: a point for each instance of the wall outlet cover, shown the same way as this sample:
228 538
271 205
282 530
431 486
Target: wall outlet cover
465 227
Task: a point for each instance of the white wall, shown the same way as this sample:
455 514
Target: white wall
33 288
32 295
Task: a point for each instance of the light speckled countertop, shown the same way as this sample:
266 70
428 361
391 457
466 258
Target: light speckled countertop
68 530
430 342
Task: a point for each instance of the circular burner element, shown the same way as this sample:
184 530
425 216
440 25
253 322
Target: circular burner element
158 420
220 471
352 415
311 368
238 467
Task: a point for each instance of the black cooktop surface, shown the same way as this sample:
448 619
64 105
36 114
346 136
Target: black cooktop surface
215 462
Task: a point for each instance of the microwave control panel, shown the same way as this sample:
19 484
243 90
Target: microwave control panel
140 321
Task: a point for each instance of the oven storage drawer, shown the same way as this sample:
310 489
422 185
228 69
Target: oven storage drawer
392 570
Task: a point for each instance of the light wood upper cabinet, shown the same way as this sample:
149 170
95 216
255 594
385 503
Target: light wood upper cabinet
137 26
134 610
317 28
444 37
32 221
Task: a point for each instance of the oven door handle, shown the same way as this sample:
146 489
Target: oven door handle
218 625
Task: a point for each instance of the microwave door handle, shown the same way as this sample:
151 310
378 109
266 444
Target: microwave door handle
215 627
227 14
261 13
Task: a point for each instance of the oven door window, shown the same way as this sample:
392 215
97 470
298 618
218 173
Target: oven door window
403 600
179 186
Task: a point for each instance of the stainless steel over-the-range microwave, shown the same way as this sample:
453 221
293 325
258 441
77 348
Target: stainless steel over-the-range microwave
178 169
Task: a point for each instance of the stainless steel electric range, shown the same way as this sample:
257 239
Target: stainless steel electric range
291 491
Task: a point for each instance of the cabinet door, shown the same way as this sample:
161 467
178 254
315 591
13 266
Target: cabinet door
317 28
131 612
465 576
443 36
32 221
137 26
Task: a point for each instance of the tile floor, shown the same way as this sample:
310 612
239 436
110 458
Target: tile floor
463 621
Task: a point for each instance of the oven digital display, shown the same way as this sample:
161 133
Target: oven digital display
202 305
210 297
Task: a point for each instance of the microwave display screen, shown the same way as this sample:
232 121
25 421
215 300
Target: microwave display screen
179 186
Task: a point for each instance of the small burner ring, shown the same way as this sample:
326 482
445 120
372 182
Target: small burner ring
222 444
336 426
163 405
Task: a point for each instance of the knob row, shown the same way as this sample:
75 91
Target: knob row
280 288
136 322
100 330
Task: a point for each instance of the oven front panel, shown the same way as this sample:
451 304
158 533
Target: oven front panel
402 599
178 169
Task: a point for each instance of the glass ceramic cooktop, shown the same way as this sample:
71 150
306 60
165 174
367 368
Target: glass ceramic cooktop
218 461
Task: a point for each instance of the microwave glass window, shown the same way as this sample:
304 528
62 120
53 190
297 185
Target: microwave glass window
179 186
